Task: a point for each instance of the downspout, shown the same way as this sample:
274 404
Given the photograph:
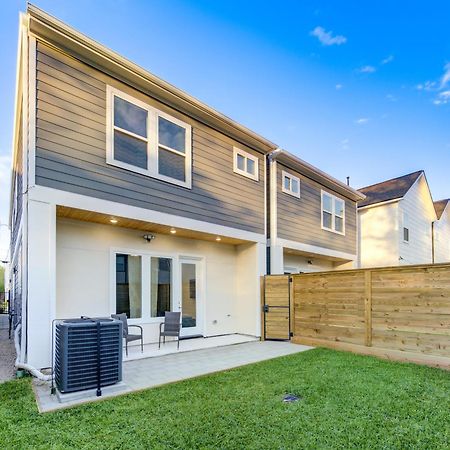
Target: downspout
271 206
35 372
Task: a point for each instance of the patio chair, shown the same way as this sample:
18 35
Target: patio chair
126 335
172 326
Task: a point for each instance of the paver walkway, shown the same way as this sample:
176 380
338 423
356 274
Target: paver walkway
7 351
151 372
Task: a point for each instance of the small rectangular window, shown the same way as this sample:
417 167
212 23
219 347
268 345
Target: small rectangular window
143 139
290 184
333 213
245 164
405 227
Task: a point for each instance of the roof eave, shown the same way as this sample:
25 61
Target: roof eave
54 31
318 175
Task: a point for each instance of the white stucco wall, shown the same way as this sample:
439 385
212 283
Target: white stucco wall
84 272
378 236
298 263
442 237
418 206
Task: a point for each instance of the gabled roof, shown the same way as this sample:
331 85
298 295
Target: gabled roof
56 32
439 207
393 189
316 174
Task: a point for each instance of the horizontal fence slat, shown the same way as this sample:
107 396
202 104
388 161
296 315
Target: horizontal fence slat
399 312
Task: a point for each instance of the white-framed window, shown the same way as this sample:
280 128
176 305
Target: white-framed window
245 164
405 226
290 184
333 213
142 139
142 285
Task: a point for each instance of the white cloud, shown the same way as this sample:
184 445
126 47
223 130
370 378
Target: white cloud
391 98
427 86
367 69
362 121
443 98
339 87
446 77
345 144
327 38
387 60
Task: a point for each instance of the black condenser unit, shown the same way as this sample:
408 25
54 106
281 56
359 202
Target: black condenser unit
88 354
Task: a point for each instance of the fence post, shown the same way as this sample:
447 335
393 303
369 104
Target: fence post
291 307
368 306
263 301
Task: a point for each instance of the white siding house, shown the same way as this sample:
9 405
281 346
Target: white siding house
395 222
441 230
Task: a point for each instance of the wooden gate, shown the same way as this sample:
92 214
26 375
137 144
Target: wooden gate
277 307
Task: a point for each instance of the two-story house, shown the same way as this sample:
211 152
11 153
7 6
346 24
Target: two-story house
312 224
395 222
441 232
130 196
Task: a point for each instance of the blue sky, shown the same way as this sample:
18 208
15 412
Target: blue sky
356 88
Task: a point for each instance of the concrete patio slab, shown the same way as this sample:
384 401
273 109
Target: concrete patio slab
151 372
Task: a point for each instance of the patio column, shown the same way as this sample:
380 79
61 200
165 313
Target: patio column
276 260
41 282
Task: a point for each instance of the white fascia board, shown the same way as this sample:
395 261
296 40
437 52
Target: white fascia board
374 205
321 251
71 200
21 80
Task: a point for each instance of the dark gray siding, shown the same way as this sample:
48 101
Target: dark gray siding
299 219
18 186
71 152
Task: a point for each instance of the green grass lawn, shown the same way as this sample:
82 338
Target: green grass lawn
348 401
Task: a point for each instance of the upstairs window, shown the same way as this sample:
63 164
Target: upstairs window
145 140
291 184
245 164
333 213
405 228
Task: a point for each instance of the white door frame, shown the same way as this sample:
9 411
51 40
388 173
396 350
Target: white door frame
199 329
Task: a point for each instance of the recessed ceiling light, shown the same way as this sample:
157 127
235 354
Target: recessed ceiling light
218 238
173 231
113 220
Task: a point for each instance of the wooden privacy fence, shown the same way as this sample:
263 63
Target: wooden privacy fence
398 313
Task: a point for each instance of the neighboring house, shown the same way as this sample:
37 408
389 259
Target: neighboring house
312 218
130 196
395 222
441 232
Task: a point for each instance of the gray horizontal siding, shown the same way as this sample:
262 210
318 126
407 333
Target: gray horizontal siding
299 219
17 174
71 152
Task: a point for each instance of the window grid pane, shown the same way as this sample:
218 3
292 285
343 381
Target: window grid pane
130 150
130 117
171 135
129 285
250 166
160 286
294 186
171 164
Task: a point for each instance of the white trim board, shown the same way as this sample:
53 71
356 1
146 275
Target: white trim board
69 199
320 251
